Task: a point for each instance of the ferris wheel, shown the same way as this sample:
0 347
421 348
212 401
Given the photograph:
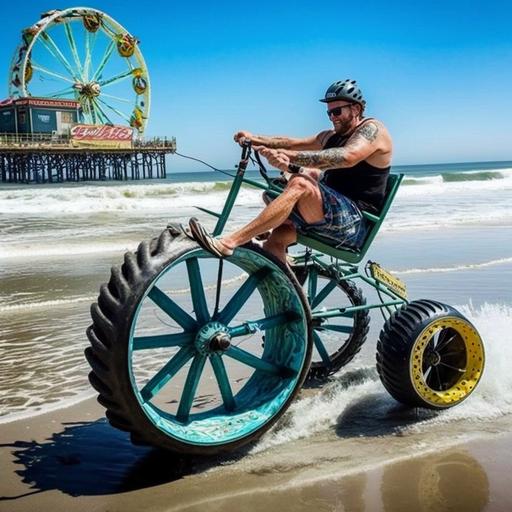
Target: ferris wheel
83 54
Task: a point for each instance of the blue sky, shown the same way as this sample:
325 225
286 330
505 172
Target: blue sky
438 74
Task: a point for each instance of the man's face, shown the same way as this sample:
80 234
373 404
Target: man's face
343 116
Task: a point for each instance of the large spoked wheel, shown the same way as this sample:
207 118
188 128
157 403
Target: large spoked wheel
337 339
190 366
429 355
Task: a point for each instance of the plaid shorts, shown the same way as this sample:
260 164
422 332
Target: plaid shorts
343 223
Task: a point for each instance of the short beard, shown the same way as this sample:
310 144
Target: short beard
345 126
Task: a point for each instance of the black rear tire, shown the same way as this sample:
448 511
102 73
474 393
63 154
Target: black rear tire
429 355
349 346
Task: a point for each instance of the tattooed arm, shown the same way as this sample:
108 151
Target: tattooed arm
282 142
280 161
361 145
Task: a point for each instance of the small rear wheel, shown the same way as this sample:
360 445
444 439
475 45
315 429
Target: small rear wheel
337 339
429 355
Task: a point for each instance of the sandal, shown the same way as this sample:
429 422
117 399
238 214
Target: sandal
207 242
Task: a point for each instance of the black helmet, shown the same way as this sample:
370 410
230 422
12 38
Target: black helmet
347 90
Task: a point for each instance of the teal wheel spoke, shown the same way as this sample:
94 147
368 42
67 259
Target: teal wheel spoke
326 290
189 390
312 285
160 379
346 329
253 361
197 290
321 349
263 324
240 298
162 341
170 307
223 381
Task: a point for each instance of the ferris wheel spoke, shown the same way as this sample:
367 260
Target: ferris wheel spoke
116 78
101 112
89 47
74 52
88 118
92 110
63 92
124 100
38 67
50 45
104 60
118 112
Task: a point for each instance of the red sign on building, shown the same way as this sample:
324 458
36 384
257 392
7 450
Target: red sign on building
101 135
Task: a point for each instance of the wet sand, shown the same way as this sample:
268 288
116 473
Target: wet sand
71 459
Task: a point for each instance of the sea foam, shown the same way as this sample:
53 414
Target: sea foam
329 408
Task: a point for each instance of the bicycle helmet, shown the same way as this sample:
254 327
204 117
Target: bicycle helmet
347 90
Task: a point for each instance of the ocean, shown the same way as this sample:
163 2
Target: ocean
448 236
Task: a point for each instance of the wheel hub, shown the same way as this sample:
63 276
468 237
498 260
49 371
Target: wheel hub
89 90
432 358
212 337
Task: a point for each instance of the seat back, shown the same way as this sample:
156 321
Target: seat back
352 255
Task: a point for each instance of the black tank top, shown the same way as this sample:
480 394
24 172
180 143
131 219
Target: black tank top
364 183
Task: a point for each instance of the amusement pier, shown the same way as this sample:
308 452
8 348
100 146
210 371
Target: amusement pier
78 104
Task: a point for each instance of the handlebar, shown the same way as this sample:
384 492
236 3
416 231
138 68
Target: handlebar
246 149
246 155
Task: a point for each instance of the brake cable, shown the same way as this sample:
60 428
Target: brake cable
262 168
205 163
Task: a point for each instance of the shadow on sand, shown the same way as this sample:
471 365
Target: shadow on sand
95 459
378 414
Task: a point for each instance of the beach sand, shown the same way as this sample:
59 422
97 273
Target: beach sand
71 459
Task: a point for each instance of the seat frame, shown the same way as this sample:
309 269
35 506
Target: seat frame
351 255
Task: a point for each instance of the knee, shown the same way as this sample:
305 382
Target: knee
301 184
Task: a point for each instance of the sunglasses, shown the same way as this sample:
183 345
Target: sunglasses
337 110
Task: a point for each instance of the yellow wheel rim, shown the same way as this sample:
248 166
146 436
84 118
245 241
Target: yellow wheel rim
447 361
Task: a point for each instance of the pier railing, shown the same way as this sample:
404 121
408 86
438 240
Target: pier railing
34 141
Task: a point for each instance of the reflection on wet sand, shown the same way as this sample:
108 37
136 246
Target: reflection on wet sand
437 483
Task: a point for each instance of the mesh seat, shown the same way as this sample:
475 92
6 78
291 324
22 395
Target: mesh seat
348 254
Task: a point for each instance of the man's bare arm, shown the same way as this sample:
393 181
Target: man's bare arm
361 145
281 142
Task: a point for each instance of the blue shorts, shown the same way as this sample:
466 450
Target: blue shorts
343 223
